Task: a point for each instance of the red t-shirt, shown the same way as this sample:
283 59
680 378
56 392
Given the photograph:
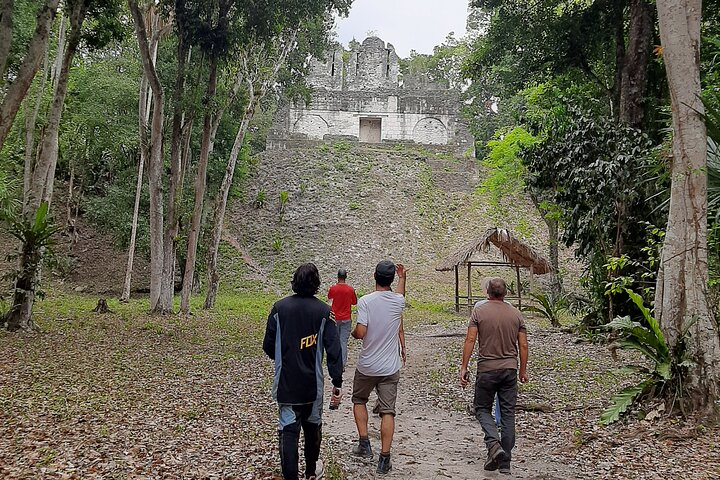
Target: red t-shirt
343 297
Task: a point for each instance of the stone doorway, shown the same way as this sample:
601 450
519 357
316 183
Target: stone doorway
370 130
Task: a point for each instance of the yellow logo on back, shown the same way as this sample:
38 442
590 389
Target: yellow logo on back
309 341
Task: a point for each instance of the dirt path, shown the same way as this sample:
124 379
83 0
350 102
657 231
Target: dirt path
435 438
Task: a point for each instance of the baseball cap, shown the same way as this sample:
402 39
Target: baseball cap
386 268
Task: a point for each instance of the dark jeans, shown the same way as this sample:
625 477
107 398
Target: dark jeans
504 384
292 418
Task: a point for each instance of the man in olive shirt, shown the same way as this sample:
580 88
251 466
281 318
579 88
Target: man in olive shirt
500 331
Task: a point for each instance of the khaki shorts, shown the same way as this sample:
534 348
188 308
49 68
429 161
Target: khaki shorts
386 390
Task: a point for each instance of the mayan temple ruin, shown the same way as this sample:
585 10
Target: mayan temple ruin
361 96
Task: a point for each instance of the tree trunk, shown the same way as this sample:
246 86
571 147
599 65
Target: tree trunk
208 139
43 179
17 91
220 207
30 121
619 56
681 293
143 118
256 90
6 28
176 144
635 66
19 317
59 55
155 163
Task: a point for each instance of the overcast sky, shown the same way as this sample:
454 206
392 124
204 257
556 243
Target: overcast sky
407 24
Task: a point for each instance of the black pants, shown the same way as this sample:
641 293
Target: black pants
289 437
504 384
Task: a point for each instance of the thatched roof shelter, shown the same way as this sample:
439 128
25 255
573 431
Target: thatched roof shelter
516 254
515 251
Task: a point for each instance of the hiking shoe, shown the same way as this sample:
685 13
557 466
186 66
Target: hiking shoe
319 471
384 465
495 455
363 449
505 469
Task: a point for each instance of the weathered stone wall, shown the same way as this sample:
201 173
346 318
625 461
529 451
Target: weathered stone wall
373 65
368 93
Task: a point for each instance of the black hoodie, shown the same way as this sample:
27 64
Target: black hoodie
299 330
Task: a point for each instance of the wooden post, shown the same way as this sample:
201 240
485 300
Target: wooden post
469 283
519 287
457 290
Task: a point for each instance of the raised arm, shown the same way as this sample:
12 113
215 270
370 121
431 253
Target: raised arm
402 278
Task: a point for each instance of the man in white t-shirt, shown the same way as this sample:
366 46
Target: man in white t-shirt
380 327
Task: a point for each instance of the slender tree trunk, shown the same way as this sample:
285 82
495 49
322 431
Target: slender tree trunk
30 121
206 146
553 246
635 67
155 162
681 293
619 56
255 94
172 228
17 91
44 174
220 207
143 119
6 28
60 49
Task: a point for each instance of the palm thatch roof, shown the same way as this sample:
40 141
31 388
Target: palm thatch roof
513 250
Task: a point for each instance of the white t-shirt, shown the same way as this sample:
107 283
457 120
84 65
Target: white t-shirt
381 313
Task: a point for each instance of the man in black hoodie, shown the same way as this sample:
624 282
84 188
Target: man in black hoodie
299 330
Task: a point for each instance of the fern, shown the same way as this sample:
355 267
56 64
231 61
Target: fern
623 400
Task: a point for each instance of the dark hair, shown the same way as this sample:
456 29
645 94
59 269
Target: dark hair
497 288
384 280
342 273
306 280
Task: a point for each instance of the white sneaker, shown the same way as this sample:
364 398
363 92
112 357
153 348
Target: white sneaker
319 471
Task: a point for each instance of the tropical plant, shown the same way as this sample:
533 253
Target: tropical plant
548 306
670 365
35 236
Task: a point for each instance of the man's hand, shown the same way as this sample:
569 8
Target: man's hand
401 270
464 377
403 355
523 376
335 398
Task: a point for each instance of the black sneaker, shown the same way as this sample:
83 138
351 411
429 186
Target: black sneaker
363 449
495 455
384 465
505 469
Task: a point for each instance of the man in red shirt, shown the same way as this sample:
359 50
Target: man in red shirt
343 298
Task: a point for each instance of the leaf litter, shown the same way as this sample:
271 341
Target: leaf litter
133 396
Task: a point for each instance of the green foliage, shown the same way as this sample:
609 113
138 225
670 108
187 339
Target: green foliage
670 366
277 245
284 197
259 199
548 306
506 171
443 66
